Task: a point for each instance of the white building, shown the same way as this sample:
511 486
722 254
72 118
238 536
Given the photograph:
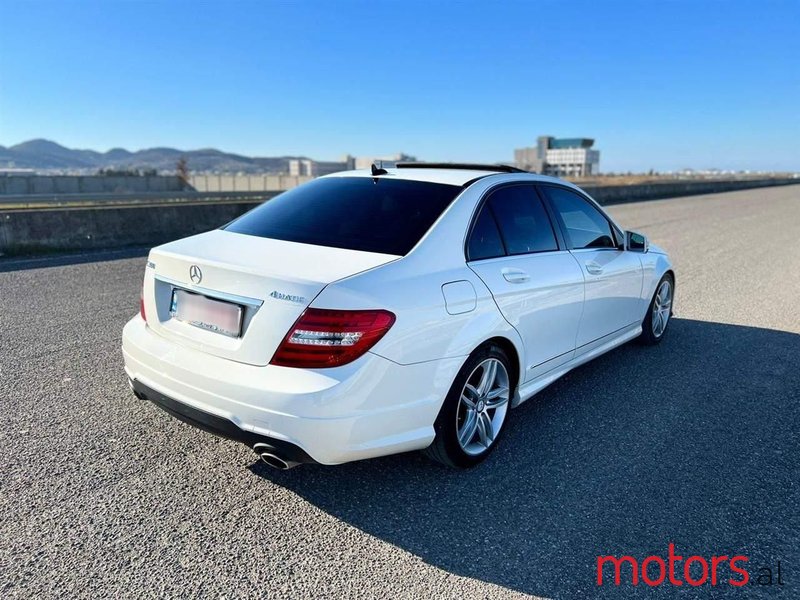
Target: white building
566 157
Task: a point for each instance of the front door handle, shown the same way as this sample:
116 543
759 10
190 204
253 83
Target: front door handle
594 268
515 275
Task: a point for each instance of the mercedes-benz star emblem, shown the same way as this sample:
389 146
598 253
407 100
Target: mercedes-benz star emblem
195 274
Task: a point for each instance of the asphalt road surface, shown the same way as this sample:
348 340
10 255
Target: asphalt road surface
696 442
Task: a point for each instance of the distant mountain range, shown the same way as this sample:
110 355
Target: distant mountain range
46 155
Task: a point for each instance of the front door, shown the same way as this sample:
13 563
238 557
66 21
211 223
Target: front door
613 276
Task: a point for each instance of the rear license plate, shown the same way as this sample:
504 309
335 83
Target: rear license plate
214 315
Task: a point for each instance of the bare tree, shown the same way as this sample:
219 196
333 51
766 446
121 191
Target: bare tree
182 169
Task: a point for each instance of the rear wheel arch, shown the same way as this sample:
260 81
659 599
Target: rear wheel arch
514 357
462 439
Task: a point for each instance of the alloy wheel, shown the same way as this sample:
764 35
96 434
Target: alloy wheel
482 407
662 307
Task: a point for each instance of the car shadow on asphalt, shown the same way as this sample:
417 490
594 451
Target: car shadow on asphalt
694 442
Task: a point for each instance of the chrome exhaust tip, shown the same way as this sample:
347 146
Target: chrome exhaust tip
268 456
274 461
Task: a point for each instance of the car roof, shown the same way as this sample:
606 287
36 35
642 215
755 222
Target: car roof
457 177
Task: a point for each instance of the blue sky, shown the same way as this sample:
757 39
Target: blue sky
661 85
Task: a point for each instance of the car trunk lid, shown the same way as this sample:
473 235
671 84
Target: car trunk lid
272 281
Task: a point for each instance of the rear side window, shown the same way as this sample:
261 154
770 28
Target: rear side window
522 219
387 216
485 242
585 226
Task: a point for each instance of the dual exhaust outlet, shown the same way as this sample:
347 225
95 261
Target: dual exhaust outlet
271 456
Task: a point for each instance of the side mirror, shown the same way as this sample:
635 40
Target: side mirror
636 242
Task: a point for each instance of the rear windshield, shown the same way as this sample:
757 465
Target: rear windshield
388 216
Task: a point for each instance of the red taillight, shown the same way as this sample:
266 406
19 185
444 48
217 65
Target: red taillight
329 338
141 305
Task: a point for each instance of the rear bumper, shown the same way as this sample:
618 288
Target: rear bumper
218 425
370 407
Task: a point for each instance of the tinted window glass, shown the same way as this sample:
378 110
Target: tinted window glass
484 241
586 226
383 215
523 221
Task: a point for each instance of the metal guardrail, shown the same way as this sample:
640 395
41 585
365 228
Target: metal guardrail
101 200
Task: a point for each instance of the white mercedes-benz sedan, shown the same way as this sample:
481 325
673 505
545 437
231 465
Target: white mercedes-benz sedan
372 312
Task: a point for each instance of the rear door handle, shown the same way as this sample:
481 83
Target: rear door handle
594 268
515 275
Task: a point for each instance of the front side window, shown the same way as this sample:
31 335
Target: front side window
388 216
585 226
522 219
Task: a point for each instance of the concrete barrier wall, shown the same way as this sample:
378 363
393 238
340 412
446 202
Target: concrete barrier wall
617 194
88 184
56 230
245 183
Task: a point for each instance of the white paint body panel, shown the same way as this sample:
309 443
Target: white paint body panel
251 267
387 400
545 309
612 292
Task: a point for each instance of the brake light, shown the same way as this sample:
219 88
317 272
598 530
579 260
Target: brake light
141 306
329 338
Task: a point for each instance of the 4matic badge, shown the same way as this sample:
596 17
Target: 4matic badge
288 297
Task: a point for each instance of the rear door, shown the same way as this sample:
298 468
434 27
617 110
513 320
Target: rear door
613 276
536 284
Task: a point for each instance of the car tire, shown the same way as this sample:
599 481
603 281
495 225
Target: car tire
659 313
475 410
